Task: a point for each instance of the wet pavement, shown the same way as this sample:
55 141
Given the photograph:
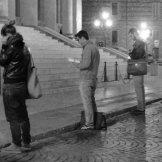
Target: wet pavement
128 138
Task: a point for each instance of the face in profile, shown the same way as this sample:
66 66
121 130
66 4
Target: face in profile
81 41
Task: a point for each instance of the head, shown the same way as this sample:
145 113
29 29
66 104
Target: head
133 34
8 29
82 37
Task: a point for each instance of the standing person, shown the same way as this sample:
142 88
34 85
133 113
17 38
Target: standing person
138 52
14 57
88 67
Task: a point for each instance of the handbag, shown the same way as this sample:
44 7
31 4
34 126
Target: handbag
100 121
137 67
33 85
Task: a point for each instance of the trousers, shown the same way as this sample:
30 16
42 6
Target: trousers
87 91
14 96
140 91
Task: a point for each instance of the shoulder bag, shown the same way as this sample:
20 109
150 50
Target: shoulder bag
33 85
137 67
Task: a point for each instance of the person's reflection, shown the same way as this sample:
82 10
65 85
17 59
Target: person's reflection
138 152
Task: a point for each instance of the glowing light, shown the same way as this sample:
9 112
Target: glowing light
105 15
109 23
144 34
97 23
143 25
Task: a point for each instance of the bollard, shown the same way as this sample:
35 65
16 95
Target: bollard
128 76
105 73
116 71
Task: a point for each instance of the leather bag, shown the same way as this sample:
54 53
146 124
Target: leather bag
137 67
33 85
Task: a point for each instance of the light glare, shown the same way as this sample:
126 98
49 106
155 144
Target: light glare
105 15
143 25
109 23
144 34
97 23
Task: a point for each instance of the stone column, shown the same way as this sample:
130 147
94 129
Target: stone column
67 17
3 9
29 12
77 15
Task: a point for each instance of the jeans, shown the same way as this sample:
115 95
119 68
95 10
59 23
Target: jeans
87 91
14 96
140 91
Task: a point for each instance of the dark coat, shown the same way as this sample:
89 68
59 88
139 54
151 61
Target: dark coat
14 57
138 51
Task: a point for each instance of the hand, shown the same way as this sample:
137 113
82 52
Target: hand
76 61
71 60
4 39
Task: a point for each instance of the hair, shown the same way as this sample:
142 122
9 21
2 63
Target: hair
82 33
132 30
8 28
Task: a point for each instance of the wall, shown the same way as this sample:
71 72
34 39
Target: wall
130 15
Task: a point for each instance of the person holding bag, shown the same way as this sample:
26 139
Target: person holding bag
138 68
15 59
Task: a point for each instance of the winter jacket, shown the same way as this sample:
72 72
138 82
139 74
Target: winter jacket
14 57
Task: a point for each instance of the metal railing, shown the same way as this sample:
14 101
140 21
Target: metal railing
113 73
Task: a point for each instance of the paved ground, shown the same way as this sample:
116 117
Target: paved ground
61 112
128 139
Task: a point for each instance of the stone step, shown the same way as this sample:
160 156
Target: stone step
55 72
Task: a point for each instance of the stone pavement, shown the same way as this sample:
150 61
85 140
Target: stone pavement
61 112
128 139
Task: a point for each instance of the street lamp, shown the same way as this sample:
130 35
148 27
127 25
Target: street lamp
144 31
104 22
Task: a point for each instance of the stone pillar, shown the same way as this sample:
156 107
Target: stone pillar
50 14
29 12
67 17
11 9
3 9
77 15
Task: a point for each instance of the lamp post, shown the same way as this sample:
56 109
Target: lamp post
103 23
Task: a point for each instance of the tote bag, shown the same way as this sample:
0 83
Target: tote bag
137 67
33 85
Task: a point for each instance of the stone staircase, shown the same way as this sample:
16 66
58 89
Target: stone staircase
56 73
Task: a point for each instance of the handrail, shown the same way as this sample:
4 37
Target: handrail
59 36
116 52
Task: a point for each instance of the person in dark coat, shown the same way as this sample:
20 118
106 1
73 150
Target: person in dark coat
14 58
138 52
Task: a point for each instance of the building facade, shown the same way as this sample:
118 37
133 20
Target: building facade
125 14
69 16
65 15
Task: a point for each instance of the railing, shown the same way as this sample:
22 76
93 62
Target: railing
113 74
116 52
58 36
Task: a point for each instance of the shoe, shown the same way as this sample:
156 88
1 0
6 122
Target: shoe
12 149
86 127
138 112
25 147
